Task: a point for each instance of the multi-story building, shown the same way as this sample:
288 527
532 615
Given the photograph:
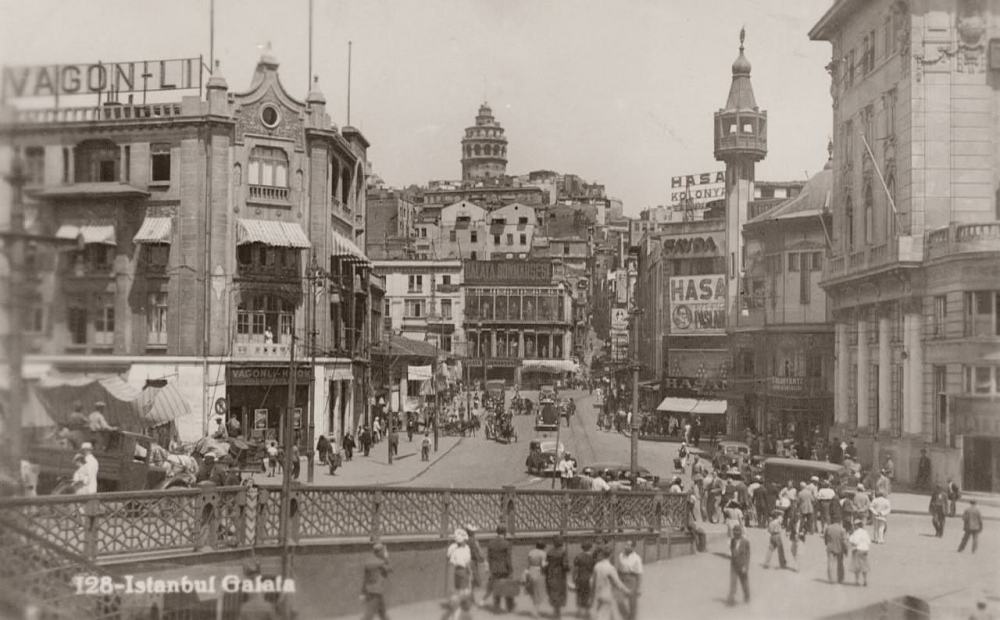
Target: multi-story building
913 277
390 215
782 341
511 231
203 223
517 321
484 148
423 301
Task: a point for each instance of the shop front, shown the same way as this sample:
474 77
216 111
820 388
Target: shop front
258 396
797 409
976 421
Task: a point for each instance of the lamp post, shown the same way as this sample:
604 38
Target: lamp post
314 275
635 366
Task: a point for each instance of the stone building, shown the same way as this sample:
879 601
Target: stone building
423 301
484 148
201 221
913 277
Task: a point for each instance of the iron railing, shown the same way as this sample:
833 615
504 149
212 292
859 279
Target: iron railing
112 525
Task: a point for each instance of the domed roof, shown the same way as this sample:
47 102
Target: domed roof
742 65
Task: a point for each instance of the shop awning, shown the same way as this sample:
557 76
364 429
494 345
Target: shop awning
698 406
154 230
98 231
275 234
127 407
343 247
550 365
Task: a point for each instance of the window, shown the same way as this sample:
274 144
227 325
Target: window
981 380
793 262
446 309
94 258
496 239
981 316
889 109
446 280
869 216
266 318
805 280
868 60
565 249
523 221
35 319
869 126
890 212
77 323
852 392
510 239
155 256
817 261
873 390
423 232
268 166
414 309
849 143
524 239
474 237
34 165
156 320
472 255
66 159
849 222
104 322
850 70
453 235
896 404
814 365
940 316
446 342
940 403
160 156
415 284
97 161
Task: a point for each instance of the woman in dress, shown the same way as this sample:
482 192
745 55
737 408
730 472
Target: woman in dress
861 542
556 570
535 576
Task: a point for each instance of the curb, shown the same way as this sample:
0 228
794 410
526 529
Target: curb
429 465
918 513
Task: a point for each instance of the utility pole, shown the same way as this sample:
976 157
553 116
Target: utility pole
434 366
286 473
314 274
635 366
388 408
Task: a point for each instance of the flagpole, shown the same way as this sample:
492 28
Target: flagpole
309 78
211 35
349 46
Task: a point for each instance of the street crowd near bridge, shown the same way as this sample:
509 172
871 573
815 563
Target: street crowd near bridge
475 481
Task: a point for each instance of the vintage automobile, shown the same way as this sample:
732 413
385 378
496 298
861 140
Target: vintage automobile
617 469
547 394
778 471
547 418
543 456
730 454
123 465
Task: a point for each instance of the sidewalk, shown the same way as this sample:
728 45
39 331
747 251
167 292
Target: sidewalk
375 469
917 504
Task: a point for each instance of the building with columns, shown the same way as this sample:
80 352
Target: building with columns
915 266
484 148
218 232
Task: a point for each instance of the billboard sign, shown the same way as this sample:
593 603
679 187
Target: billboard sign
502 272
619 319
701 188
697 305
137 76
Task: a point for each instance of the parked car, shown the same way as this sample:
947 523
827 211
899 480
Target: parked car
547 393
618 468
548 416
730 454
543 457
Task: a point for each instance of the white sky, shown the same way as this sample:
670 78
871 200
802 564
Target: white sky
617 91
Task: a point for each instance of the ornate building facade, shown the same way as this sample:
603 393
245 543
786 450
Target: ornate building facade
484 148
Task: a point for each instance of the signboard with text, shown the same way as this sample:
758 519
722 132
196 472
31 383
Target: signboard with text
137 76
259 423
266 375
693 246
507 272
697 305
700 188
619 319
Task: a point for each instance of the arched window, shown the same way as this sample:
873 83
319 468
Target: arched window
268 166
849 222
869 216
890 211
477 150
345 184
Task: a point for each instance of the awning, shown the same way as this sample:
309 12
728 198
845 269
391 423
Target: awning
125 406
699 406
550 365
154 230
276 234
343 247
98 231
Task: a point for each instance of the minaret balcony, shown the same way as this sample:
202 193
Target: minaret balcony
740 145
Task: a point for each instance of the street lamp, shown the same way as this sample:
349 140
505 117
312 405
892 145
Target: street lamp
635 366
315 276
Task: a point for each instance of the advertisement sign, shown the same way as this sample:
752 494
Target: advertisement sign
619 319
138 76
266 375
260 419
693 246
697 305
297 417
508 272
700 188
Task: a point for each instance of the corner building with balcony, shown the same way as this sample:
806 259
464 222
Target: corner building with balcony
202 220
914 277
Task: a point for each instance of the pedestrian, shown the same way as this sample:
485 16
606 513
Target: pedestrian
82 482
366 440
630 572
923 470
478 560
272 459
938 509
786 498
774 529
93 467
734 516
583 570
323 449
837 546
880 510
394 442
860 544
500 563
556 572
851 452
425 447
972 521
459 578
806 499
566 472
534 577
739 565
883 485
349 445
889 468
796 532
296 462
862 501
954 494
376 571
836 452
96 421
336 459
683 455
824 499
604 584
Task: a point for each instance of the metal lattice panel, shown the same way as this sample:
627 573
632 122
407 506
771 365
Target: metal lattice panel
331 513
483 509
537 512
675 511
586 511
148 524
636 511
410 512
63 523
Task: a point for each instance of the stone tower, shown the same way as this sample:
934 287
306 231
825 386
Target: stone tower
484 148
740 142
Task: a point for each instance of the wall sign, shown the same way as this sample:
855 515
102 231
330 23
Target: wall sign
508 272
96 78
697 305
688 246
695 384
266 375
700 188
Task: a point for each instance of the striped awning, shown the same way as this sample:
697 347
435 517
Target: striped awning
97 231
343 247
276 234
154 230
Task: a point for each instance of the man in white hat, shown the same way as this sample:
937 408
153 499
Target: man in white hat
96 419
92 465
81 477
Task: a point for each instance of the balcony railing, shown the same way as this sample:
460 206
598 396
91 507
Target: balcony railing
903 249
963 238
269 192
99 113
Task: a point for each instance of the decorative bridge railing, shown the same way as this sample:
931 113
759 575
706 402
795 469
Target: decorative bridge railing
120 524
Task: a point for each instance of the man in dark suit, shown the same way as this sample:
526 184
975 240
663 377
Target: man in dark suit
498 558
375 583
739 565
973 521
837 545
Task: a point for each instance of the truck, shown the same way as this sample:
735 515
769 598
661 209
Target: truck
548 416
496 391
123 465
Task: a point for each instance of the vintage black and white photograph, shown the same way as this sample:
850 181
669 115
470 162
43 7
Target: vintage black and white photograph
470 309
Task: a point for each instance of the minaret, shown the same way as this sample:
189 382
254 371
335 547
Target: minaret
740 142
484 148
